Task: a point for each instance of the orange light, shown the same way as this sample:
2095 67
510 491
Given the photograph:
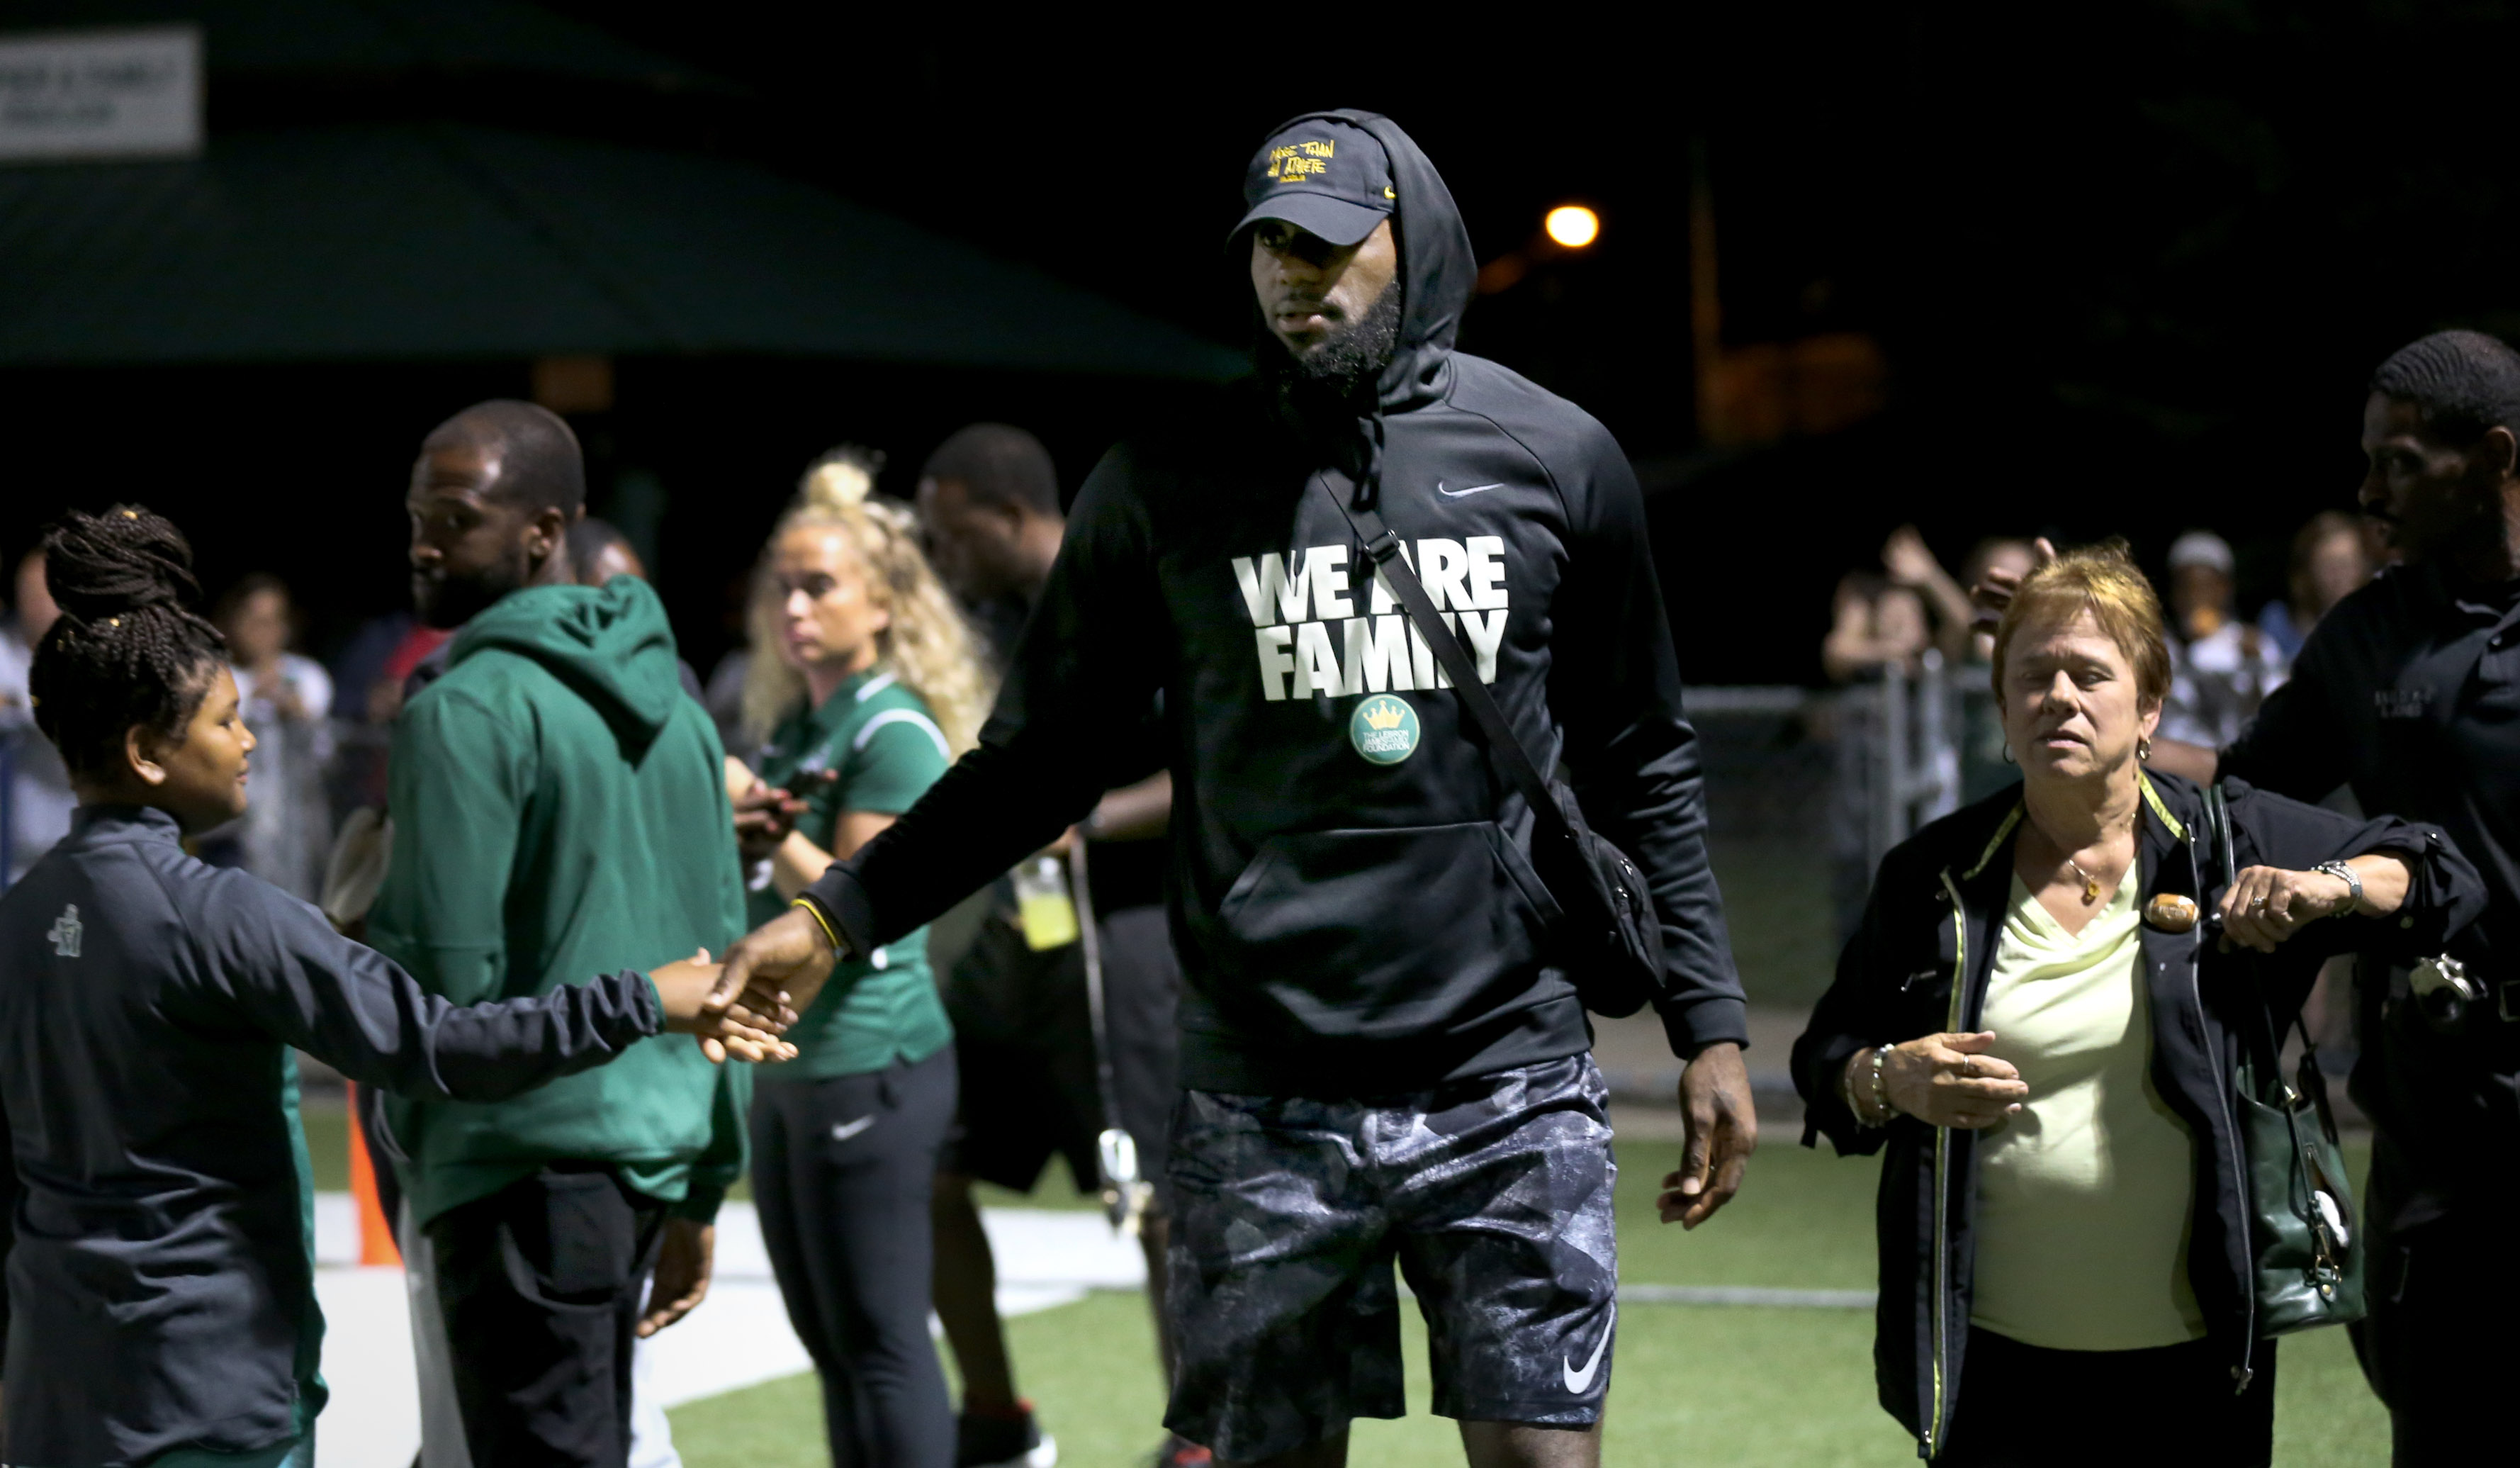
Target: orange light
1573 225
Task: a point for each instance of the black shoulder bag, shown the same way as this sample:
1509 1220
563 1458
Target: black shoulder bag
2306 1247
1604 928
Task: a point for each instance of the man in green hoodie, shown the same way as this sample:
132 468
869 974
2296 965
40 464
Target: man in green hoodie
558 812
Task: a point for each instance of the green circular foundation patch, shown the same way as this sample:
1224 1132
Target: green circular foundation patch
1384 729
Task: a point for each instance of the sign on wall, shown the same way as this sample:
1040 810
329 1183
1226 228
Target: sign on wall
100 94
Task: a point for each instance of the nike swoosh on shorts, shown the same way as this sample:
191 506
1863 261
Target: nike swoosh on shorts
841 1131
1581 1382
1459 493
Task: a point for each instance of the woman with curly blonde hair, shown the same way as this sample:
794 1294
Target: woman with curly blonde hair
926 644
862 688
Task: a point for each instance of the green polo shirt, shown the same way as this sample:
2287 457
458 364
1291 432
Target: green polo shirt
887 751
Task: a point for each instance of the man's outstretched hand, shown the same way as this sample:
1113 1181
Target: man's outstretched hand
1992 594
763 818
789 956
747 1026
1721 1129
764 814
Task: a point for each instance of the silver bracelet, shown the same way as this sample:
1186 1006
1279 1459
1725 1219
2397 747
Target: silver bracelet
2345 874
1879 1093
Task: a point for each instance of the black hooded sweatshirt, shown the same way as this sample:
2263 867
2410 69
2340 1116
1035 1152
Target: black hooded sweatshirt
1348 928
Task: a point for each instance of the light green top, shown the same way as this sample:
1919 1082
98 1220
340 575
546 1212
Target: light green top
2084 1195
876 741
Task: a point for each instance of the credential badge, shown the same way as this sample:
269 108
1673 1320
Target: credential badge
1384 729
66 933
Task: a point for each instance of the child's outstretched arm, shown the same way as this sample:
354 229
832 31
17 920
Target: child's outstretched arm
276 960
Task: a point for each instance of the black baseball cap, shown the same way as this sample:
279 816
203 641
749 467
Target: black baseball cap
1324 176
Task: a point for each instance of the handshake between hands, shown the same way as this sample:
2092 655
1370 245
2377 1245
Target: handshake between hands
743 1006
736 1019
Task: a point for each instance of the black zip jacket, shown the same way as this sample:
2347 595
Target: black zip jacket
2409 691
1347 926
160 1281
1919 964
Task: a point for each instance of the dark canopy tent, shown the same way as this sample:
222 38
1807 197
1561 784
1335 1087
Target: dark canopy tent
369 194
424 239
403 204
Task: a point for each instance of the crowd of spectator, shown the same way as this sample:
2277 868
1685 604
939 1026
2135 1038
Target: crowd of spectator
2223 667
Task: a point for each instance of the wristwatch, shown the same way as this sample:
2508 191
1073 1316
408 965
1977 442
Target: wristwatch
2345 874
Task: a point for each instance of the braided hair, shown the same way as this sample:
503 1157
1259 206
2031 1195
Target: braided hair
128 649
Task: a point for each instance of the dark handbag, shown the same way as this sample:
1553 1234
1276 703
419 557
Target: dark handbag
1604 929
2305 1243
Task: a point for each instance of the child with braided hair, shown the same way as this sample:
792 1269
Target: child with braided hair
161 1279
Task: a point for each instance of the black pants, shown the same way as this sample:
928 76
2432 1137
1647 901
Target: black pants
539 1283
841 1173
1023 1041
2033 1408
2439 1345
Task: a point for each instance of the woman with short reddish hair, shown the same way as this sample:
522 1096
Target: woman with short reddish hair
2040 1019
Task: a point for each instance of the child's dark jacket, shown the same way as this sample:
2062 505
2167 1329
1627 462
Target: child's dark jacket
161 1280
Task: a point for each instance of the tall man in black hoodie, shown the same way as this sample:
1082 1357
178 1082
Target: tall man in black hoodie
1380 1057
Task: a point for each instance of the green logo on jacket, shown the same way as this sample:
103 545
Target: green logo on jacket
1384 729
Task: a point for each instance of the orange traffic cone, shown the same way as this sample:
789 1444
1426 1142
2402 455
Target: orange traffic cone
376 1235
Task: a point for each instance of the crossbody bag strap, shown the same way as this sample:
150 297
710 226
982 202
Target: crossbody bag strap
1382 548
2218 831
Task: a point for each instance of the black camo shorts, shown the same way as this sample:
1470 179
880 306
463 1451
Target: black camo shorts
1493 1196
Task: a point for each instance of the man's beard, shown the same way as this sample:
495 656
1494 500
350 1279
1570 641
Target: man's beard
1347 364
450 600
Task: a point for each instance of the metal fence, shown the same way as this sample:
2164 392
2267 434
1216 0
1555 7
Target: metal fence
1807 790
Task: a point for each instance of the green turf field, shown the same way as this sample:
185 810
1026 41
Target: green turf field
1751 1386
1777 903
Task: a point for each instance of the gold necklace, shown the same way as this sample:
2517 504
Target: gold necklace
2091 884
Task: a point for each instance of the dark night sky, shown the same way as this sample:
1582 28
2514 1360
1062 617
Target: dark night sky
2129 268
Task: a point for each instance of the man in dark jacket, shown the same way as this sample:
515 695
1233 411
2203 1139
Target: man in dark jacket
1380 1055
2404 692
